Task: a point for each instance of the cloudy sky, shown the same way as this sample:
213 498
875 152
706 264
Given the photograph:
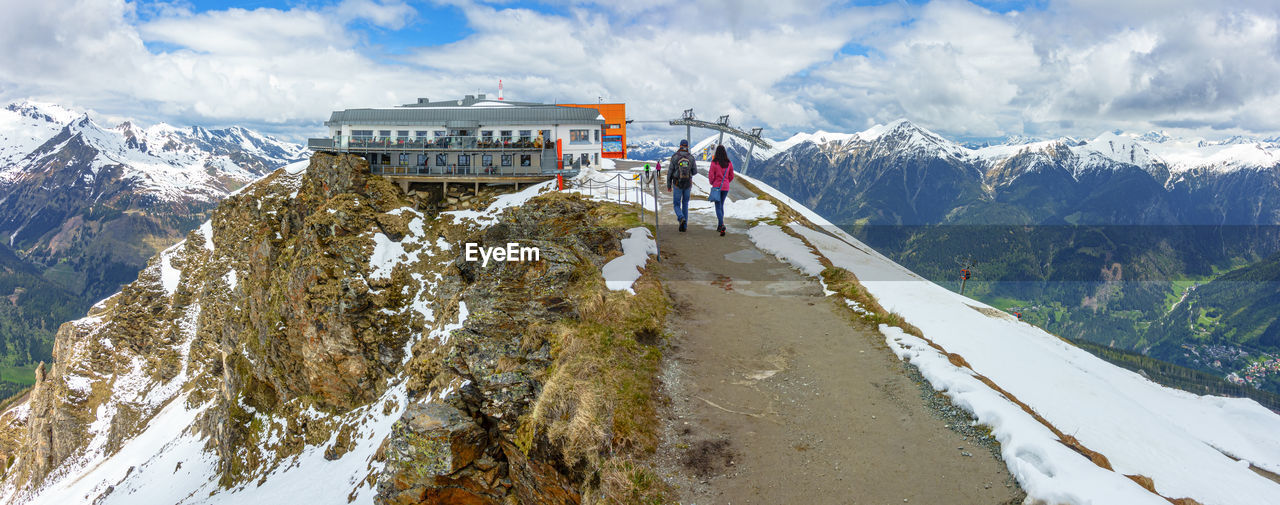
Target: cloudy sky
968 69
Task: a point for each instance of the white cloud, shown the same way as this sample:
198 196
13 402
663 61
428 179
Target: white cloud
239 32
392 14
1075 67
717 62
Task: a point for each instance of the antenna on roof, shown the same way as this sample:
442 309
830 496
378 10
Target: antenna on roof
499 89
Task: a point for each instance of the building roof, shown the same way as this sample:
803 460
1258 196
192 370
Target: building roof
468 112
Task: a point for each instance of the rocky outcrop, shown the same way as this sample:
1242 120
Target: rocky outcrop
328 313
496 360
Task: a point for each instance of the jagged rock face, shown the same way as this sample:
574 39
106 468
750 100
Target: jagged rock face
310 284
320 316
498 356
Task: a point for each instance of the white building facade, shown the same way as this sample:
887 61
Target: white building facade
471 136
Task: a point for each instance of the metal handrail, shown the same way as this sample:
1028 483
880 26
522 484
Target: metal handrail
452 142
591 184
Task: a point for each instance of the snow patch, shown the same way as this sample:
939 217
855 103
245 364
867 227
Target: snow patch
787 248
621 272
749 209
388 254
169 276
206 230
1047 470
489 216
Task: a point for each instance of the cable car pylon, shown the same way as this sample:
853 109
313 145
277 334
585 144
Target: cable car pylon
688 120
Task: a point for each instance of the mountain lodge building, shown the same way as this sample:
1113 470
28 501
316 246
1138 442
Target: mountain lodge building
473 140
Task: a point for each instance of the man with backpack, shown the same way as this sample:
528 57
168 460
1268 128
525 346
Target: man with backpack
680 174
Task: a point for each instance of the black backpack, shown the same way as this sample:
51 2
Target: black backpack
684 170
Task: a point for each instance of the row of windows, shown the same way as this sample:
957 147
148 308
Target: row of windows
576 136
444 133
486 160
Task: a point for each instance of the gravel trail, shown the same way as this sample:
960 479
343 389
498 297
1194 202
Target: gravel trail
778 396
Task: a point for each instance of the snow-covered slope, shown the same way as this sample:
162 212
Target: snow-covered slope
1190 446
650 150
903 136
706 148
1186 155
26 125
163 160
818 137
999 152
1149 151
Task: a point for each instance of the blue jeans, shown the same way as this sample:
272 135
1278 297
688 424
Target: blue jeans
720 207
681 200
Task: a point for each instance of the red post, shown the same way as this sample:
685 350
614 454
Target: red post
559 166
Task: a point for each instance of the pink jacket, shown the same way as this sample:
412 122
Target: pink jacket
719 176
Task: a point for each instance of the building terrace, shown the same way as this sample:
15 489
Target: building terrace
469 140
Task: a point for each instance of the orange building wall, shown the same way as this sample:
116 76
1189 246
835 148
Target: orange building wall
614 114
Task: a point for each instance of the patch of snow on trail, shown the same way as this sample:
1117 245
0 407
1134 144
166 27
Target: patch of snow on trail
749 209
773 240
621 272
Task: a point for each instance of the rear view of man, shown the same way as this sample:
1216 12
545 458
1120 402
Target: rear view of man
680 175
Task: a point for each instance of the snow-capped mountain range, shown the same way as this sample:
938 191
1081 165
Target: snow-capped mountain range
1150 151
88 203
169 162
1185 181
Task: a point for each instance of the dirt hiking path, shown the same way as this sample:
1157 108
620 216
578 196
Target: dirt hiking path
777 396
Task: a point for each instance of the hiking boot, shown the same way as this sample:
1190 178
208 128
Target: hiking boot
683 224
721 230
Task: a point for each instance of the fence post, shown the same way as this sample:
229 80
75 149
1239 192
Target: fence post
656 239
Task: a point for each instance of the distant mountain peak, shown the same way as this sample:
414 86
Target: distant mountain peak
42 111
897 125
1154 137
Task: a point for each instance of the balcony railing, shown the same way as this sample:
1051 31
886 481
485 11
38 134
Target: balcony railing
471 171
452 143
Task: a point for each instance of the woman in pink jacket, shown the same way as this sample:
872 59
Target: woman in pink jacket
720 175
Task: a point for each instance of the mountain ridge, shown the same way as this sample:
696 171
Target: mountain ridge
84 205
144 186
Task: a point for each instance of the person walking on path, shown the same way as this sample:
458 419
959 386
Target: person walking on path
720 175
680 174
